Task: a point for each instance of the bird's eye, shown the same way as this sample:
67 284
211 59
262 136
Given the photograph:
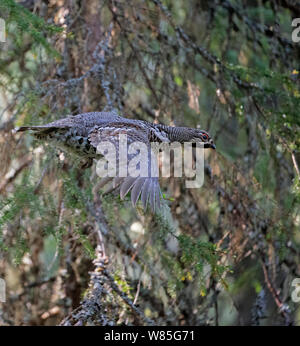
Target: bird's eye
205 137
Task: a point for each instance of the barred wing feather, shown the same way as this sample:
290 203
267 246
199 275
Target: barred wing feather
141 187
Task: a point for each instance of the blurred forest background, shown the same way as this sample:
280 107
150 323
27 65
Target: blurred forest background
225 254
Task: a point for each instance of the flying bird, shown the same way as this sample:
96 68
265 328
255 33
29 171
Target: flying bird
81 134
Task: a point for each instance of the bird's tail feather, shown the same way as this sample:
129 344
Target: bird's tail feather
42 129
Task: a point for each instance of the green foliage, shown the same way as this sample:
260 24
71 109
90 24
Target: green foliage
262 168
296 190
28 23
84 241
24 203
250 276
195 255
24 198
20 248
123 284
74 196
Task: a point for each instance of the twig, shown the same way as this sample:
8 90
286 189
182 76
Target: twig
137 292
128 301
14 175
283 308
295 164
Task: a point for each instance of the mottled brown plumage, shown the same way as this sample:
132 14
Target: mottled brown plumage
81 134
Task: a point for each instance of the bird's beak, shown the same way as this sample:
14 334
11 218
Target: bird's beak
212 145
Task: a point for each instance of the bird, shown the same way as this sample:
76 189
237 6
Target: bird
81 134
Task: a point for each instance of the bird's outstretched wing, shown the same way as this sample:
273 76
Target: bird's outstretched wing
143 182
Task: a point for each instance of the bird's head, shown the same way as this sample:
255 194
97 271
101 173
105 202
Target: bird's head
198 136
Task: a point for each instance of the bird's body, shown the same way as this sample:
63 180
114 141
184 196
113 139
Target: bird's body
81 134
71 133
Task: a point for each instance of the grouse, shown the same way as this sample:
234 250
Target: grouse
81 134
